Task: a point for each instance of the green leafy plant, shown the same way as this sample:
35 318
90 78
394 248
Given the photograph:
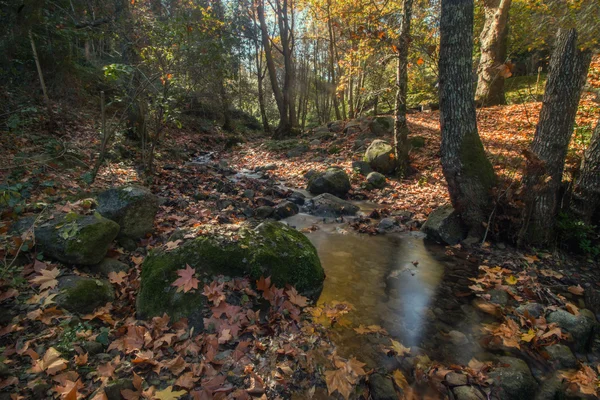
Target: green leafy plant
577 236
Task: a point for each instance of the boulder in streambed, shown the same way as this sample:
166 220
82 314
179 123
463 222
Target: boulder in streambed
581 327
82 295
327 205
132 207
380 156
272 249
514 379
381 126
444 225
375 180
76 239
285 209
334 180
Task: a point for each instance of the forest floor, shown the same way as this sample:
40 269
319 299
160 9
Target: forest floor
45 352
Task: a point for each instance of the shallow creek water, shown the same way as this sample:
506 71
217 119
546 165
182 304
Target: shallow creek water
399 281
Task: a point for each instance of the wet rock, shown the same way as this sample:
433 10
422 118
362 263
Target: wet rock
498 296
382 388
132 207
285 209
315 142
514 379
92 347
263 201
386 224
358 144
334 181
581 327
272 249
268 167
457 338
362 167
298 150
536 310
376 180
551 389
40 390
82 295
108 265
297 198
76 239
328 205
113 389
264 212
248 193
381 126
468 393
561 356
456 379
380 156
444 225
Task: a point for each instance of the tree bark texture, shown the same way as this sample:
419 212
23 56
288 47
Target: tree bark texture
490 81
468 171
546 155
585 199
400 123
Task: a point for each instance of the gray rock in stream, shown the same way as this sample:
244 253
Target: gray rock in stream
334 180
444 225
514 379
327 205
382 388
581 327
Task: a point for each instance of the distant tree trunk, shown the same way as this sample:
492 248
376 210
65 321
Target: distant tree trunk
490 80
277 93
222 67
546 155
585 199
469 173
336 104
400 124
39 70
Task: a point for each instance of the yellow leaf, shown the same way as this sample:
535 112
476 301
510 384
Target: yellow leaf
169 394
528 337
399 348
400 379
511 280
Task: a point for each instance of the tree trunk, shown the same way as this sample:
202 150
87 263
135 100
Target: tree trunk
490 78
585 199
336 104
469 173
400 124
277 93
546 155
39 70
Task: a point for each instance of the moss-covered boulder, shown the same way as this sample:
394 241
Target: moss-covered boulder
444 225
132 207
272 249
382 126
82 295
380 156
375 180
513 379
76 239
334 180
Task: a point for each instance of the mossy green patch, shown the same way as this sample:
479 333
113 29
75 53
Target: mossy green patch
273 249
83 295
475 162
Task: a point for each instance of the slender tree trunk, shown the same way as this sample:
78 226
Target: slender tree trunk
277 93
469 173
400 124
585 199
546 155
39 70
336 104
490 78
222 68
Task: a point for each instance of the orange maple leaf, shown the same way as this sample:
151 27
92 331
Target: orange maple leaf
186 280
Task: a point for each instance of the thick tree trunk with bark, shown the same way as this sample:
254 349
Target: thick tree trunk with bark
490 79
585 199
400 124
546 155
469 173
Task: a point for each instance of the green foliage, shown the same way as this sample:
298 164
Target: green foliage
69 337
577 236
14 197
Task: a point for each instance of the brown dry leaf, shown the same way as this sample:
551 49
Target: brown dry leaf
296 298
572 308
81 360
400 379
68 391
576 290
338 380
551 273
46 279
177 365
186 280
117 277
186 381
51 363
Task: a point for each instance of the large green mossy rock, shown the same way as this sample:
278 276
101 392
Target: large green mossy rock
382 125
272 249
132 207
76 239
82 295
334 181
380 156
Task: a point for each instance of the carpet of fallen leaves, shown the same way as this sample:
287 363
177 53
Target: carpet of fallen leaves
263 342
